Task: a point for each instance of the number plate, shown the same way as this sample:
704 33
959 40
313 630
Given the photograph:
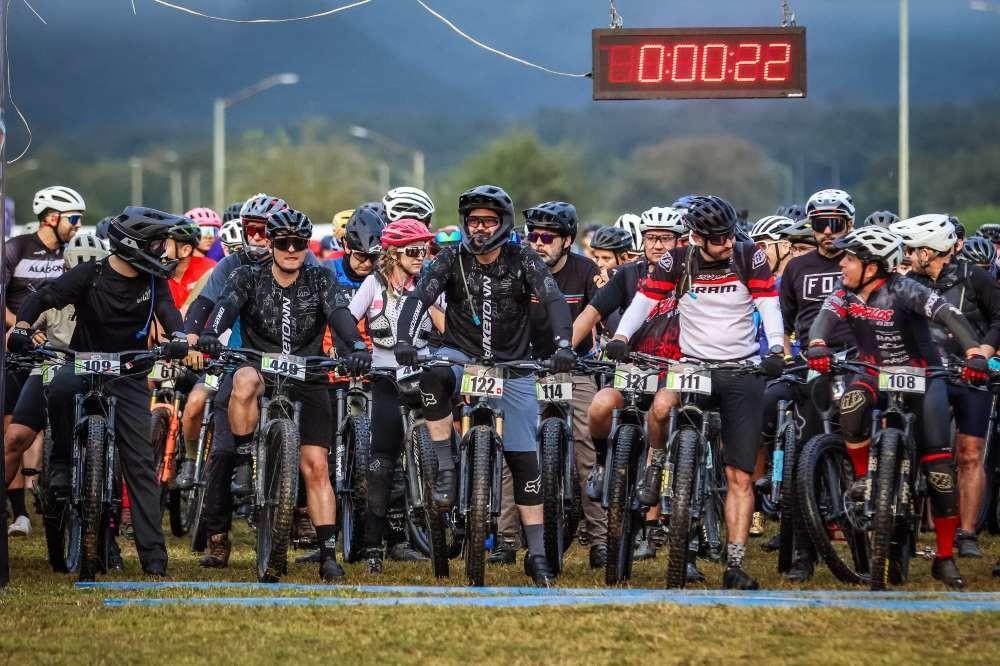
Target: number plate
483 382
92 363
285 365
902 379
554 388
631 378
164 371
689 379
212 381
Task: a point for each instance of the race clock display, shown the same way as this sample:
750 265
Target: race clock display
658 63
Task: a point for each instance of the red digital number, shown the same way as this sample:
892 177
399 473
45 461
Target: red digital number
621 64
713 56
651 60
689 68
750 63
776 67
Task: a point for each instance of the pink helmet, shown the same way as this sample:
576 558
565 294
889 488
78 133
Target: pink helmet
404 232
204 217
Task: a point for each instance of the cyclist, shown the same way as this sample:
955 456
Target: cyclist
487 282
210 224
800 235
231 235
930 242
338 224
362 248
633 225
795 212
192 271
588 236
609 248
377 301
981 252
991 232
115 300
718 283
408 203
284 307
888 315
769 235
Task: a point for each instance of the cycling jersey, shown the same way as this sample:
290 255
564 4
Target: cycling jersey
373 303
892 327
487 313
28 264
976 294
612 299
113 312
576 282
194 275
806 282
715 301
348 283
286 320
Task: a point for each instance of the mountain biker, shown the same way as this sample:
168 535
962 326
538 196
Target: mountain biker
378 301
633 225
192 271
284 307
930 242
408 203
115 300
881 218
991 232
981 252
888 315
231 235
794 212
488 282
718 283
769 235
609 247
27 419
210 224
338 224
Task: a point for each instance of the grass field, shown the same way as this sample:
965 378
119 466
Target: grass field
46 619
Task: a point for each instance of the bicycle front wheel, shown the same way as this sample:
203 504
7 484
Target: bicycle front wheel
621 530
91 498
554 525
680 506
479 505
279 474
352 503
886 495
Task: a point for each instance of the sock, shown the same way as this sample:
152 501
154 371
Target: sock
17 507
242 445
191 448
735 552
535 538
859 459
327 537
944 530
443 450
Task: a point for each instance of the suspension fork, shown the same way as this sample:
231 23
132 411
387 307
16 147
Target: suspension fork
609 455
340 444
569 455
778 456
204 441
111 456
77 449
875 445
496 483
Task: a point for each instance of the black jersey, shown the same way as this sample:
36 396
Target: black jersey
576 282
28 264
892 328
487 304
113 312
973 291
612 299
276 319
806 282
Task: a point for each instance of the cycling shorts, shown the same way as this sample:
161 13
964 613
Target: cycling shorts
970 408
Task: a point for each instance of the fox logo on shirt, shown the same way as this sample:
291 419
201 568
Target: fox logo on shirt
818 286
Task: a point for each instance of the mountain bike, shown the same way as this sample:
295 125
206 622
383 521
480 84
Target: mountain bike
351 453
166 409
206 432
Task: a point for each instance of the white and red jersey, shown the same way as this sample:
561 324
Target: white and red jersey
716 302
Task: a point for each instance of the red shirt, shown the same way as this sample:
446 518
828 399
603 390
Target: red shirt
181 289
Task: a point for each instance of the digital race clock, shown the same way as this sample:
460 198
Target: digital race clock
654 63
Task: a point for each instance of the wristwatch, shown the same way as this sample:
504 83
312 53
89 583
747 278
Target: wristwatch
776 349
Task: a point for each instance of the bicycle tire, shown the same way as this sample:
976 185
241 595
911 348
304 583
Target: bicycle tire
199 535
159 431
621 534
435 527
91 499
819 458
274 526
552 434
177 507
479 505
63 533
883 520
352 504
680 507
786 501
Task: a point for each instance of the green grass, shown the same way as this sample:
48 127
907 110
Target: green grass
46 620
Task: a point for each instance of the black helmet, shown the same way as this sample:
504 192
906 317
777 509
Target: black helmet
979 250
881 218
710 216
185 230
492 198
261 205
289 222
363 232
612 239
139 237
794 211
378 208
800 232
990 231
557 215
959 227
683 202
102 227
232 211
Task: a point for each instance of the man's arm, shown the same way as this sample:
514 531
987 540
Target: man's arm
789 301
341 313
764 291
547 291
834 310
432 282
166 310
10 258
68 288
584 324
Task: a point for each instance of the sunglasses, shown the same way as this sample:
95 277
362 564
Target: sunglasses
720 239
820 224
484 221
290 243
254 228
659 239
413 252
74 220
157 247
365 258
546 237
209 232
444 237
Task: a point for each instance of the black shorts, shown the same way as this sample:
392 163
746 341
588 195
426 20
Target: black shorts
13 383
740 401
30 408
971 409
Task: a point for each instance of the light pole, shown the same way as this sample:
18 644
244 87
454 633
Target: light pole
904 108
417 156
135 167
219 129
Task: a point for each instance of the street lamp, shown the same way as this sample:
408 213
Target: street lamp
219 129
359 132
904 108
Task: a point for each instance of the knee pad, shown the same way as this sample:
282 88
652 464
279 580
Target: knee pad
436 385
527 477
379 477
855 415
941 483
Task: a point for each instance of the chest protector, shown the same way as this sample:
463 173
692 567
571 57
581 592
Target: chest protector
382 325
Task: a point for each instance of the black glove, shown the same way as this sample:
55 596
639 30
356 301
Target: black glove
773 365
406 354
175 349
564 360
617 350
209 344
20 340
358 362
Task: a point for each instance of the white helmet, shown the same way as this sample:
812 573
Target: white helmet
59 198
771 227
633 225
874 245
831 202
409 202
231 234
664 217
933 230
84 247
